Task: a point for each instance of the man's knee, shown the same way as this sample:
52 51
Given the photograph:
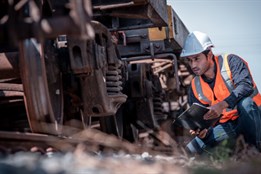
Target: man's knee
195 146
245 104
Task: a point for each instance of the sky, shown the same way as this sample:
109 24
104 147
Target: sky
234 26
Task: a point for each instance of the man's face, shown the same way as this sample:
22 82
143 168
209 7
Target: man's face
199 63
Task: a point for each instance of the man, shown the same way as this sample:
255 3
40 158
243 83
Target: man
224 84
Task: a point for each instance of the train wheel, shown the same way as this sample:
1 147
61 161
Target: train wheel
42 82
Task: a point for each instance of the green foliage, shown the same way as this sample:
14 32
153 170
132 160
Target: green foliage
202 170
221 153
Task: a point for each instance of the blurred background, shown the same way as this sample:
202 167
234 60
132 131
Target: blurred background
233 26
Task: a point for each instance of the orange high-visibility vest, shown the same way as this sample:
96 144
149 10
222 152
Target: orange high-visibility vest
222 89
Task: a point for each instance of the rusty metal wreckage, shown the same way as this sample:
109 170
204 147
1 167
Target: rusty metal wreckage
82 63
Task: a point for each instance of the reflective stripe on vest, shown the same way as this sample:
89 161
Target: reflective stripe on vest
225 72
199 92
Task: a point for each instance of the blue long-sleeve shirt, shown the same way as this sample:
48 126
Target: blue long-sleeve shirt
242 80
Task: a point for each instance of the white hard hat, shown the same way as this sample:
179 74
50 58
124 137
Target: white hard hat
196 43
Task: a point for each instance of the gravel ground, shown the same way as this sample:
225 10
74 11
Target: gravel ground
80 162
87 160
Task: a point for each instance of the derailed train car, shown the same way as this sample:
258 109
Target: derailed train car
81 63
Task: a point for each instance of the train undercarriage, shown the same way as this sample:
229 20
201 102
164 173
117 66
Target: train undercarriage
107 64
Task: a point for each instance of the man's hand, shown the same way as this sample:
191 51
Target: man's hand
215 110
201 134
